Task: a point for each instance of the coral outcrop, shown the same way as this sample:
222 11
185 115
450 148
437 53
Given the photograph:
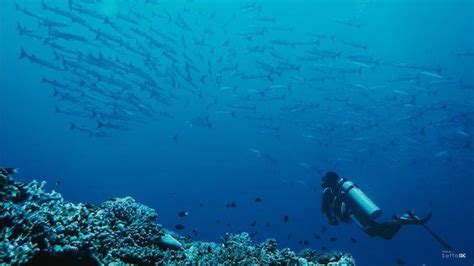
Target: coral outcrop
41 228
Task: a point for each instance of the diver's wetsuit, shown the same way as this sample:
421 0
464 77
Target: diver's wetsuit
385 230
336 208
327 205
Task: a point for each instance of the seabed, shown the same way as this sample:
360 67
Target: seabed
41 228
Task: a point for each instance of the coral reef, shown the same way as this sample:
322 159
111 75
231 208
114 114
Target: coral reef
40 228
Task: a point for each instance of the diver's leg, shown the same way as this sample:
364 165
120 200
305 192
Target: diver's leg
388 229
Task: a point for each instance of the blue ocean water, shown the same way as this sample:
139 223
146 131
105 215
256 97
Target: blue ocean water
193 105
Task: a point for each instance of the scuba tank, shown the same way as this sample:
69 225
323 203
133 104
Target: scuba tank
359 202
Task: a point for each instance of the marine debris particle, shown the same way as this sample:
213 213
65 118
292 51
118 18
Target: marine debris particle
179 227
183 213
41 228
400 261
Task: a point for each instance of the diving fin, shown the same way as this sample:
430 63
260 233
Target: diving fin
427 218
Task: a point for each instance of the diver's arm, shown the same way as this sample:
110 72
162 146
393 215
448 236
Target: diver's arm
325 200
326 206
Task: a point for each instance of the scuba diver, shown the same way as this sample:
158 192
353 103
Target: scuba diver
343 201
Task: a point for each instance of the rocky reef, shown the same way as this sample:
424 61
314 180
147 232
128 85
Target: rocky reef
41 228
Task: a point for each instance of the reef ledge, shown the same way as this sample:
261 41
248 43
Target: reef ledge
41 228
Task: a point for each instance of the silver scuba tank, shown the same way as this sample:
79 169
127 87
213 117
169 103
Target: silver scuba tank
360 201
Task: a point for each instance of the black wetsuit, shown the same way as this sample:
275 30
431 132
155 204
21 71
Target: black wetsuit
385 230
337 208
331 205
327 205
